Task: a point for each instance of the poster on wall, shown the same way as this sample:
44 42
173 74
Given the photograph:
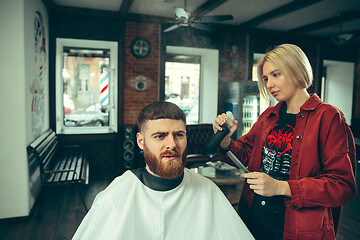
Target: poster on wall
37 81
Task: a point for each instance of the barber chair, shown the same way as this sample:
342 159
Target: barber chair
198 135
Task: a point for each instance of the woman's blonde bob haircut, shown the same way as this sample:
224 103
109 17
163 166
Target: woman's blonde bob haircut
292 63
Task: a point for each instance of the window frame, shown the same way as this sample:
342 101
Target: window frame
113 88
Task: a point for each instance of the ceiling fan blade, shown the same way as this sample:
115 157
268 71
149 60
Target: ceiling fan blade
205 27
180 13
345 36
216 18
173 27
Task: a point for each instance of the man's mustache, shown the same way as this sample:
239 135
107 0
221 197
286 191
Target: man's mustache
170 152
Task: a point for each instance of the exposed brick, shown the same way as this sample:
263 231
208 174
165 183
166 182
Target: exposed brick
135 100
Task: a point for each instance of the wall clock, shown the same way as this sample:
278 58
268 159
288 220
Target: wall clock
140 48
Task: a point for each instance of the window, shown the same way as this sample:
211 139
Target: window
182 82
86 86
203 88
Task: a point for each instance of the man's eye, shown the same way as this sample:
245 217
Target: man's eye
161 136
180 135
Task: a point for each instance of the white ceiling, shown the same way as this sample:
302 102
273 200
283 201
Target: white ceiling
242 10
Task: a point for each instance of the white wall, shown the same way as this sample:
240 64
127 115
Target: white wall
37 116
208 79
339 86
14 137
13 163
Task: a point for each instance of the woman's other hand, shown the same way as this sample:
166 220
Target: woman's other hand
265 185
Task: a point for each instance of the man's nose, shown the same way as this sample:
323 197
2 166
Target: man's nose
170 143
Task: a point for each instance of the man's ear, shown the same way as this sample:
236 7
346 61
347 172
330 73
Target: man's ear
140 140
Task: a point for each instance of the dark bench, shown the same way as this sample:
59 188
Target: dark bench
59 165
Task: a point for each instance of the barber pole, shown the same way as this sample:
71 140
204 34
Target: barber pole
104 87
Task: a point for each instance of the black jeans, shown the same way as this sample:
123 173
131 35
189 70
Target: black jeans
267 217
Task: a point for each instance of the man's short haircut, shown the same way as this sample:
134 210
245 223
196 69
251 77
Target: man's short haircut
160 110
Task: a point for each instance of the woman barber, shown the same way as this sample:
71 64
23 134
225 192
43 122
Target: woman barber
300 154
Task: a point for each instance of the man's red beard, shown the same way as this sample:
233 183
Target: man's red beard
163 168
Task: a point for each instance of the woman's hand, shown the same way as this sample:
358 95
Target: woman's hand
267 186
219 121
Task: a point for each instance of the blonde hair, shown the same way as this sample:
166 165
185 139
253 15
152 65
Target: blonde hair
292 63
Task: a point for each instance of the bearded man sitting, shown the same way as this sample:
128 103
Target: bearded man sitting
164 200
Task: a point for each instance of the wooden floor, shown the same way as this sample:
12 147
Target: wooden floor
62 212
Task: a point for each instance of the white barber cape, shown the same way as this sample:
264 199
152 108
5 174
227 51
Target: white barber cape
196 209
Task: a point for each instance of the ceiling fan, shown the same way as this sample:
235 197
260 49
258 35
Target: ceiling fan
183 18
343 38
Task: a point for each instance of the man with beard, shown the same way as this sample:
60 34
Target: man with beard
164 200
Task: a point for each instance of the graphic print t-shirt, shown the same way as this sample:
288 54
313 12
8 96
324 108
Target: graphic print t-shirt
276 152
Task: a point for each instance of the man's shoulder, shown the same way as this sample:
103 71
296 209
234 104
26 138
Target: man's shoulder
127 176
121 183
195 178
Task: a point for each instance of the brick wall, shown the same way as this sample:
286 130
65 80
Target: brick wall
134 100
239 71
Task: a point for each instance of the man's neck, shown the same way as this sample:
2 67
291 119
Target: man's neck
155 182
151 172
